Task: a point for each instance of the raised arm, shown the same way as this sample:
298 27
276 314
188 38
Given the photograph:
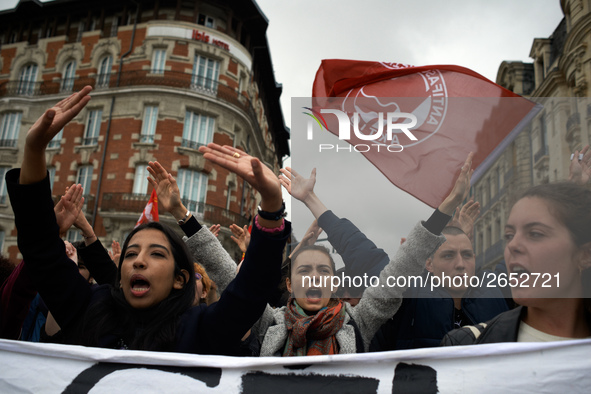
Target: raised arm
464 218
359 253
380 303
205 247
245 299
55 276
33 168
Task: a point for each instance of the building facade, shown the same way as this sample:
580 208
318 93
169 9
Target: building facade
558 78
168 76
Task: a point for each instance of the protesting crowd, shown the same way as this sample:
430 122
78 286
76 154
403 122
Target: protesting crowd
160 292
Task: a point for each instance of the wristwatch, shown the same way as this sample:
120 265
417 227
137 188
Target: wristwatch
184 220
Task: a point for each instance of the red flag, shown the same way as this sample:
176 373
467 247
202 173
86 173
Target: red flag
457 111
150 213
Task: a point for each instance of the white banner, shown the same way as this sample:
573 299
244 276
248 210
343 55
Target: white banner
498 368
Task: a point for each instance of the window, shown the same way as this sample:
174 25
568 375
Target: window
56 141
68 76
104 72
81 27
198 130
84 178
192 185
26 79
9 128
51 171
73 236
205 74
149 124
93 127
2 236
3 193
140 182
114 26
158 61
206 21
543 133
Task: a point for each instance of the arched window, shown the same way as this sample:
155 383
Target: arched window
68 76
27 78
104 71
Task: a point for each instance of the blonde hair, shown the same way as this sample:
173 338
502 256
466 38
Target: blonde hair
204 277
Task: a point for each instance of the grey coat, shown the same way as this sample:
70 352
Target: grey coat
207 250
377 305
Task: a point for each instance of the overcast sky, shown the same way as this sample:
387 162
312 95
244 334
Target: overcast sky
477 34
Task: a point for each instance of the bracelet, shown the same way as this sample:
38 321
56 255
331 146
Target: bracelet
184 220
273 215
88 236
269 230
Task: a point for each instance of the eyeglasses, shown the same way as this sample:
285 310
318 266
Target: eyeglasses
198 276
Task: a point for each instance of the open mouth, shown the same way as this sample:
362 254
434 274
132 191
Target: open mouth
139 285
314 294
518 269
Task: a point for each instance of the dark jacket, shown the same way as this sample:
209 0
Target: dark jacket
425 317
216 329
502 328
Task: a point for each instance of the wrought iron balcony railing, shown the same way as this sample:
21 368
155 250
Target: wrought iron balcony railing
147 138
89 141
190 144
8 143
173 79
135 203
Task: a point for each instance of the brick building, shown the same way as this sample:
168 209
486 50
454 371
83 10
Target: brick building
558 77
168 76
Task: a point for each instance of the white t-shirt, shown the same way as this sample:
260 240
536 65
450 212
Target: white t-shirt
529 334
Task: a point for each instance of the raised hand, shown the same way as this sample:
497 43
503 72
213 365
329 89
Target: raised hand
115 252
215 229
33 167
310 238
167 190
302 189
55 118
241 236
68 208
579 171
299 187
468 215
464 218
250 169
460 189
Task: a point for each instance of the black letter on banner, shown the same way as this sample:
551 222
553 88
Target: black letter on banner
413 378
261 382
86 380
